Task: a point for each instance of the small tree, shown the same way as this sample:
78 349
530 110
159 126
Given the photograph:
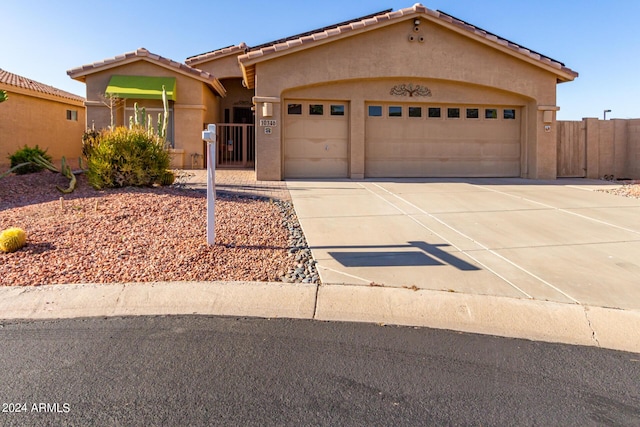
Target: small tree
3 95
112 102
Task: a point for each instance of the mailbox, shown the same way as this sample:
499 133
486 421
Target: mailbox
209 135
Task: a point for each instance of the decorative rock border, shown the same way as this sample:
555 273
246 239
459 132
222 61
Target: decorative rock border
304 266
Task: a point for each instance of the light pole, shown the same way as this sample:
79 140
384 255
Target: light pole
605 113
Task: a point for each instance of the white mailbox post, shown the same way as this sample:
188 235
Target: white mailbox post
209 136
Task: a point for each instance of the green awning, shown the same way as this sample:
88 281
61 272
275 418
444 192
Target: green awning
142 87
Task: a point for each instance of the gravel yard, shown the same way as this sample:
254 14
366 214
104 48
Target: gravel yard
144 235
628 189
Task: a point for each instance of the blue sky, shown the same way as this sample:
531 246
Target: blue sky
42 39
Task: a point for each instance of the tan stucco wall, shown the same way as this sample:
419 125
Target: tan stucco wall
223 68
367 65
32 120
195 104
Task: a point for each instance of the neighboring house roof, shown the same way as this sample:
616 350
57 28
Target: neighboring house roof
327 34
26 85
80 73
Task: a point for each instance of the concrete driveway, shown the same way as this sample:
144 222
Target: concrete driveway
544 240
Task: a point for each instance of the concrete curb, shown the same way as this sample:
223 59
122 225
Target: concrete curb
163 298
482 314
492 315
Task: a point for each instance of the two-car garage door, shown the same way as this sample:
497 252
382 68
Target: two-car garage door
403 140
414 140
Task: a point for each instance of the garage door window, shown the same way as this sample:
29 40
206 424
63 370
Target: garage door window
294 109
395 111
316 109
509 114
337 110
490 113
415 111
375 111
453 113
434 112
473 113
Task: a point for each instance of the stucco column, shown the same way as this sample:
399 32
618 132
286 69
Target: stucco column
268 138
356 139
546 143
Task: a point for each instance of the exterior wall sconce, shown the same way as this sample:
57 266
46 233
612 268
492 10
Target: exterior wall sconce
267 109
547 115
416 22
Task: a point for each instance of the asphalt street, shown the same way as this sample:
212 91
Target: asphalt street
198 370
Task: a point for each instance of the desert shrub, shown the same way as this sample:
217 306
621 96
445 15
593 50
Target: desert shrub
27 154
90 138
127 157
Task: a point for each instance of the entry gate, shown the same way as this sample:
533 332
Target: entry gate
236 145
572 153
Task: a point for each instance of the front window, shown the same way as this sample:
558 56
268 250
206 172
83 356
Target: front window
72 115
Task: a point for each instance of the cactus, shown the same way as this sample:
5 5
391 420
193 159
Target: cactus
12 239
167 178
65 170
13 169
165 117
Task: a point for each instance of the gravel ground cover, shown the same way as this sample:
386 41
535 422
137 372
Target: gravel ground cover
145 235
629 188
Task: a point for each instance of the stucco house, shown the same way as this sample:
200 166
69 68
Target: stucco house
39 114
406 93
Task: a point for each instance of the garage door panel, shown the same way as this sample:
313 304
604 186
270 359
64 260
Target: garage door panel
473 150
442 147
413 168
316 146
316 168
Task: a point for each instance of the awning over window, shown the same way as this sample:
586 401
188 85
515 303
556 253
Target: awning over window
142 87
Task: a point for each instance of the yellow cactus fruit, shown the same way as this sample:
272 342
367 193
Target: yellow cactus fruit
12 239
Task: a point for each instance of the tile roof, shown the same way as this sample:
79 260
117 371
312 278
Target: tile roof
255 54
242 47
216 54
79 73
15 80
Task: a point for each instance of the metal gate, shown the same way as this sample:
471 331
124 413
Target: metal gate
236 146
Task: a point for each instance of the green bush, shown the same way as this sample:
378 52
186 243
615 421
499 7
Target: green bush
27 154
127 157
90 139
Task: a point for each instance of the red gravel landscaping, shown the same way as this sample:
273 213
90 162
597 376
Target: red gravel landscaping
136 235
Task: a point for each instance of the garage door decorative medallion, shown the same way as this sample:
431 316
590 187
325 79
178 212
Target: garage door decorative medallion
410 90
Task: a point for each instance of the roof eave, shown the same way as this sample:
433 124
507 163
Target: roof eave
250 59
216 54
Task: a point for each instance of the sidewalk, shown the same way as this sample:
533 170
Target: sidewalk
467 311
